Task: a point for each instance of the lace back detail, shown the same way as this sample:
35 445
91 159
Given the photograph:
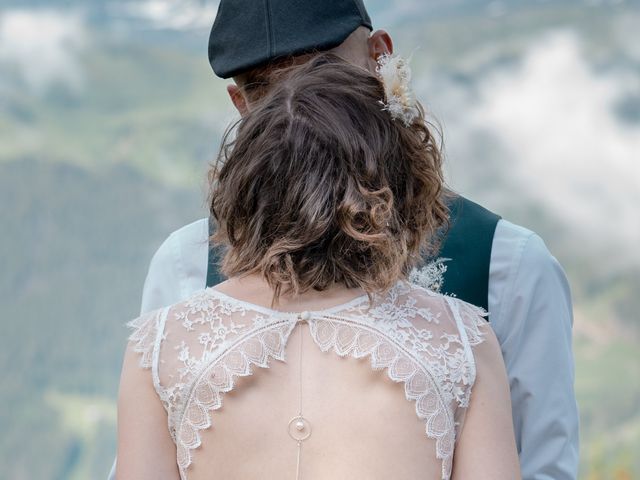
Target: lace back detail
422 339
219 378
400 366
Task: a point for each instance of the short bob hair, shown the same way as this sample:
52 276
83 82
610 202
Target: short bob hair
320 185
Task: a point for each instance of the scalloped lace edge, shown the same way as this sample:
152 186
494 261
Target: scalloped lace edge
207 396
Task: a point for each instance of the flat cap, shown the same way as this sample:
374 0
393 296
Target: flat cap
251 33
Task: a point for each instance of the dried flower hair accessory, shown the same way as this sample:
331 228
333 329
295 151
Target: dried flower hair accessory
395 73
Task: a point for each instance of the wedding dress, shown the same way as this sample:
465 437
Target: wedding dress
381 391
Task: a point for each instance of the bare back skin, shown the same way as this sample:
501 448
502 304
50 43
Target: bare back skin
362 426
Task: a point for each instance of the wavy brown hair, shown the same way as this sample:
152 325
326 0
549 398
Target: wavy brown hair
321 185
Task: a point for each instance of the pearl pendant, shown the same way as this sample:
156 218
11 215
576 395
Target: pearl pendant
299 428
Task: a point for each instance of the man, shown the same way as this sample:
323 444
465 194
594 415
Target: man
493 263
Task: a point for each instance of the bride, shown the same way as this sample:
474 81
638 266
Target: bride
317 358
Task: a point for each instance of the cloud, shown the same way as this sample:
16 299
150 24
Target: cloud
44 45
548 129
173 14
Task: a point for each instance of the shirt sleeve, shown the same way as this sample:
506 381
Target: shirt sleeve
533 322
178 268
162 284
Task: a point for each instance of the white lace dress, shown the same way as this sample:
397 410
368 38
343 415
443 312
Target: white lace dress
199 350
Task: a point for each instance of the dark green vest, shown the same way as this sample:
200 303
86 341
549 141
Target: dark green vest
467 245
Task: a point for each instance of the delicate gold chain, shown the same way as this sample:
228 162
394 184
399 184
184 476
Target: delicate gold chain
300 370
300 403
302 426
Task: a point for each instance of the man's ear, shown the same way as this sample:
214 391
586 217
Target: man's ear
238 99
379 43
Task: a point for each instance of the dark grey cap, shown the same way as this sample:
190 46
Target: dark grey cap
250 33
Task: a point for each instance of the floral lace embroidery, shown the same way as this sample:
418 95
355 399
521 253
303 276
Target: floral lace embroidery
145 329
431 275
434 362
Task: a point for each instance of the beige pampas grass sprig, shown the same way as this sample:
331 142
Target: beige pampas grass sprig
395 74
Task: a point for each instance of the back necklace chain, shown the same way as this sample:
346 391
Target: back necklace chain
299 427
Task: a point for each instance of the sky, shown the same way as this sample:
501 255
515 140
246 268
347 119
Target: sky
555 138
42 63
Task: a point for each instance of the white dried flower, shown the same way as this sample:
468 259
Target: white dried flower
395 74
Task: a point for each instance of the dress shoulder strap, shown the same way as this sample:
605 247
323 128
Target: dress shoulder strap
146 335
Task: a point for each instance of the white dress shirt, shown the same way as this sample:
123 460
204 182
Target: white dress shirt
530 312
